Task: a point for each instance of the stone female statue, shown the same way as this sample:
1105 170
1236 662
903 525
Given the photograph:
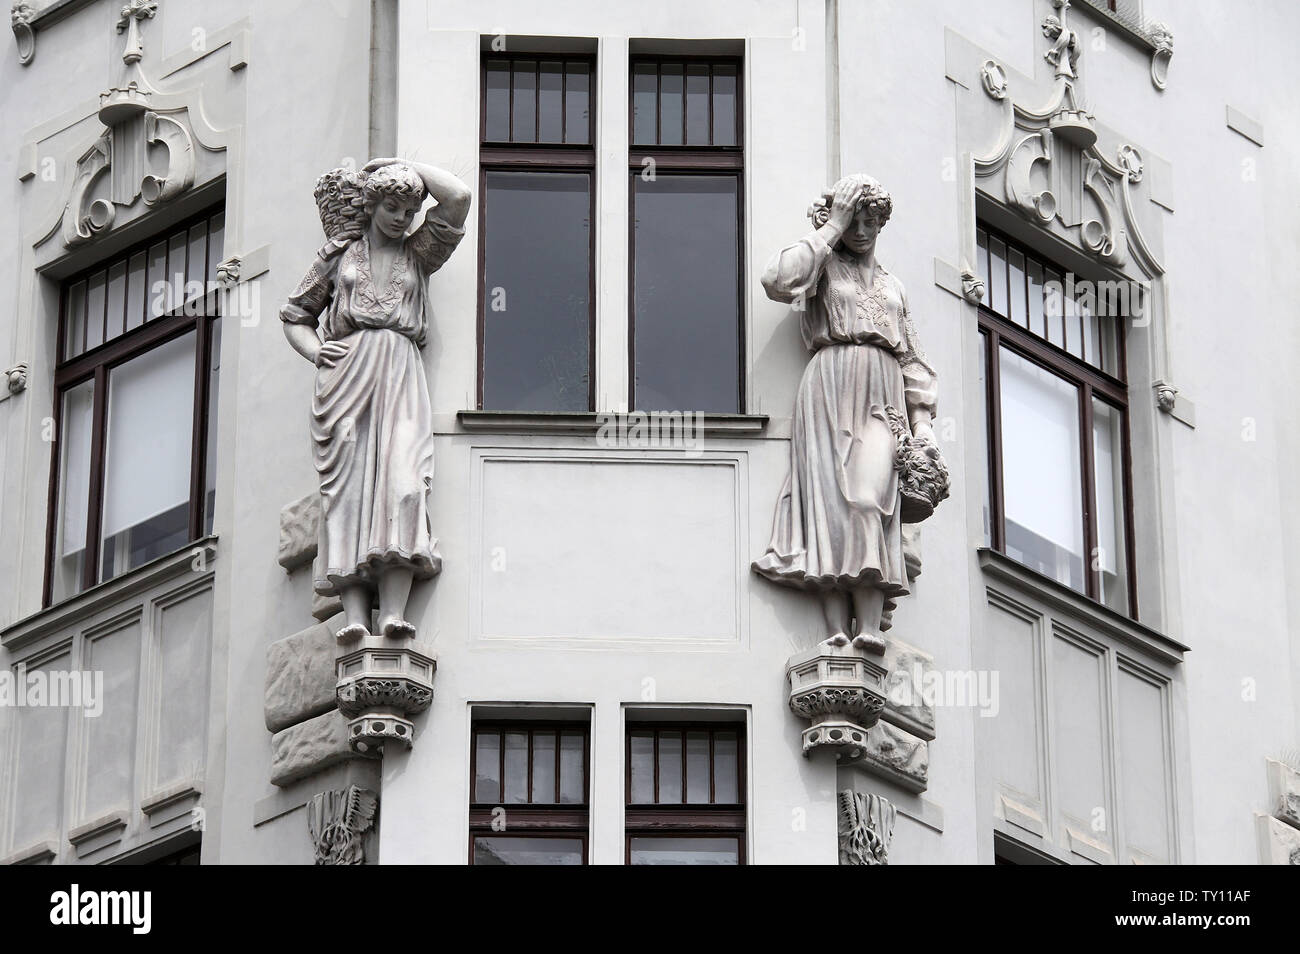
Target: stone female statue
863 459
371 422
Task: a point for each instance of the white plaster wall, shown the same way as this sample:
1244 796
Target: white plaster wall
1229 247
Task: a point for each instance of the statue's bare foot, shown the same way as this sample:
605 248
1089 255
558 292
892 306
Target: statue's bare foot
394 627
351 633
837 639
869 642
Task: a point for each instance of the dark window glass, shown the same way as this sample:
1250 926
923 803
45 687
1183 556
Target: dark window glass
523 85
550 102
536 308
537 773
527 850
645 102
684 795
496 104
724 105
687 296
132 482
671 89
577 103
1056 421
669 850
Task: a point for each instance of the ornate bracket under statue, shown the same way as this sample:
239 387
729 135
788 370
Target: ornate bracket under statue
359 316
866 828
863 460
337 821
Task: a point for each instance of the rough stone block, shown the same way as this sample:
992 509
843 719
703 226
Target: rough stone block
299 532
308 747
1279 843
1284 792
897 755
907 703
300 676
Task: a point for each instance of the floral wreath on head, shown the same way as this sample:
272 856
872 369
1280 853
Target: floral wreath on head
872 197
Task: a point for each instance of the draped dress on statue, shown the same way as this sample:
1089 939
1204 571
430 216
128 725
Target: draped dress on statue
838 519
371 422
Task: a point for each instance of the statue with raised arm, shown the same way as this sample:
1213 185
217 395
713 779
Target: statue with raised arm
360 315
863 459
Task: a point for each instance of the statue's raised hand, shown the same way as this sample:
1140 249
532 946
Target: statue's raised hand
844 204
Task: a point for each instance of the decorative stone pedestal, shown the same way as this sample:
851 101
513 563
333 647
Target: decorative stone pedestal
379 687
841 689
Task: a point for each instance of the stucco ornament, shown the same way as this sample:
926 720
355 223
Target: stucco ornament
863 457
21 15
1163 37
360 315
16 378
866 828
337 821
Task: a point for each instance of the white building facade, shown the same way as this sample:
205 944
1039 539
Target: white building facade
1098 661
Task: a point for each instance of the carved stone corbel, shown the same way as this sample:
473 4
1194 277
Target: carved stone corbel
1163 37
337 821
16 378
378 689
866 828
1166 396
972 286
841 690
21 16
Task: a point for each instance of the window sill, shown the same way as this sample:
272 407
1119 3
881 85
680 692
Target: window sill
590 422
1061 597
88 602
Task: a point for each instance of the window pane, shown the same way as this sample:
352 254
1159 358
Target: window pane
641 758
982 259
148 456
210 468
573 771
670 104
1034 272
506 850
1091 354
670 768
177 247
116 299
1041 470
645 99
697 104
1016 288
724 106
157 292
697 768
197 268
998 275
487 767
726 768
550 102
536 317
135 291
543 768
662 850
1108 330
216 243
96 295
687 332
74 321
516 779
74 489
1054 306
577 103
1108 460
496 102
525 105
1057 325
984 421
1074 322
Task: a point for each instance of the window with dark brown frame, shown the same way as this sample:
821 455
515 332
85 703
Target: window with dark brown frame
1056 412
686 261
132 475
685 794
536 330
528 796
